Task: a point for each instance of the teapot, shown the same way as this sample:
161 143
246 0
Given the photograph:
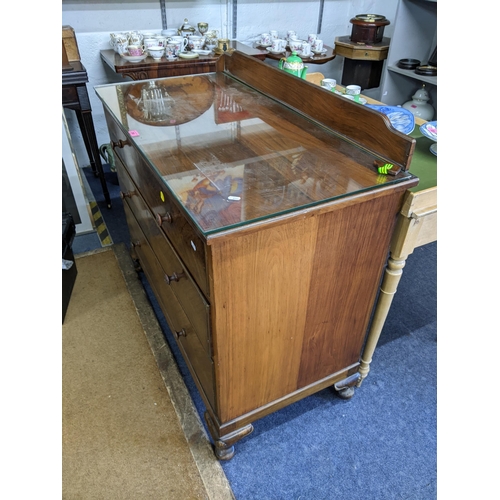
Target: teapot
293 65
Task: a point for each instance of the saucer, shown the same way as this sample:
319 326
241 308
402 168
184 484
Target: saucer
275 52
134 59
362 100
434 149
264 45
319 52
201 52
429 129
188 55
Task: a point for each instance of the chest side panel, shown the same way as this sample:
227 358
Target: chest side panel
260 282
351 252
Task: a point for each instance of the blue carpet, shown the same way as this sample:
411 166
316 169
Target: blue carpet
379 445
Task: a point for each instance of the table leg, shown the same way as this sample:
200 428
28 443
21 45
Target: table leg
88 131
392 275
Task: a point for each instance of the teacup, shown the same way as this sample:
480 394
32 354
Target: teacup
305 49
172 49
274 34
291 34
148 34
317 45
265 39
169 32
121 46
161 40
329 83
353 90
196 42
223 44
135 50
135 38
156 52
149 42
312 38
278 45
183 41
295 45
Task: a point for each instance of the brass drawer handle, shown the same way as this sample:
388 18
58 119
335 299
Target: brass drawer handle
174 277
160 219
182 333
120 143
127 195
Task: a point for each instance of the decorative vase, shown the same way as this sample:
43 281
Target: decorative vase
419 105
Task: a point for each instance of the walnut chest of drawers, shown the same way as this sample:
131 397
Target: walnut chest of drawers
262 226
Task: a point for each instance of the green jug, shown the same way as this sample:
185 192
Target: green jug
293 64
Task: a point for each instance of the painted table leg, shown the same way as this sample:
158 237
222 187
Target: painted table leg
388 288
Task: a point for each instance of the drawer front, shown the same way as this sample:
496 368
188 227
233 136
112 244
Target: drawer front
199 363
172 221
69 95
176 276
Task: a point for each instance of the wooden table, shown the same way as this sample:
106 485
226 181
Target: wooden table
75 97
315 59
416 226
149 68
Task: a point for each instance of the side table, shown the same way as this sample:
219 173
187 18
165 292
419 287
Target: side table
149 68
75 97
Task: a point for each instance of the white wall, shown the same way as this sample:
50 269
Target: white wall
94 20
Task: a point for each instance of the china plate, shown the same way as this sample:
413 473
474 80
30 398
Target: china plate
201 52
188 55
434 149
362 100
430 130
134 59
401 119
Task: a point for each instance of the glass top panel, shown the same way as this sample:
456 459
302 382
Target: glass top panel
231 155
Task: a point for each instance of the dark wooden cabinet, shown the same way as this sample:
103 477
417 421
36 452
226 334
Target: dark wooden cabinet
263 228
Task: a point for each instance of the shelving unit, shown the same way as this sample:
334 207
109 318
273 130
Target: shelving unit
415 37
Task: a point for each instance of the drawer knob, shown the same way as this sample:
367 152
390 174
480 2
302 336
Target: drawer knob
119 144
134 244
174 277
182 333
160 219
127 195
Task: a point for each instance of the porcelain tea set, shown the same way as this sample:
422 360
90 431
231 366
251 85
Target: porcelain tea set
185 41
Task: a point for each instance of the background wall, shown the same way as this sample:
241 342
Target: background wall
94 20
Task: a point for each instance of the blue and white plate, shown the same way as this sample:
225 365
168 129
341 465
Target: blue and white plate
430 130
401 119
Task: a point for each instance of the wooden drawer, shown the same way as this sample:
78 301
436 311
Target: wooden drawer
176 276
182 235
199 363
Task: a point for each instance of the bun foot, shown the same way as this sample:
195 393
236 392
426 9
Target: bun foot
345 388
346 393
223 451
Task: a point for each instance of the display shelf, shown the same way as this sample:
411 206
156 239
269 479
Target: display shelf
414 37
411 74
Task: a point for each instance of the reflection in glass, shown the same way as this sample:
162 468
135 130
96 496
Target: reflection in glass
156 103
